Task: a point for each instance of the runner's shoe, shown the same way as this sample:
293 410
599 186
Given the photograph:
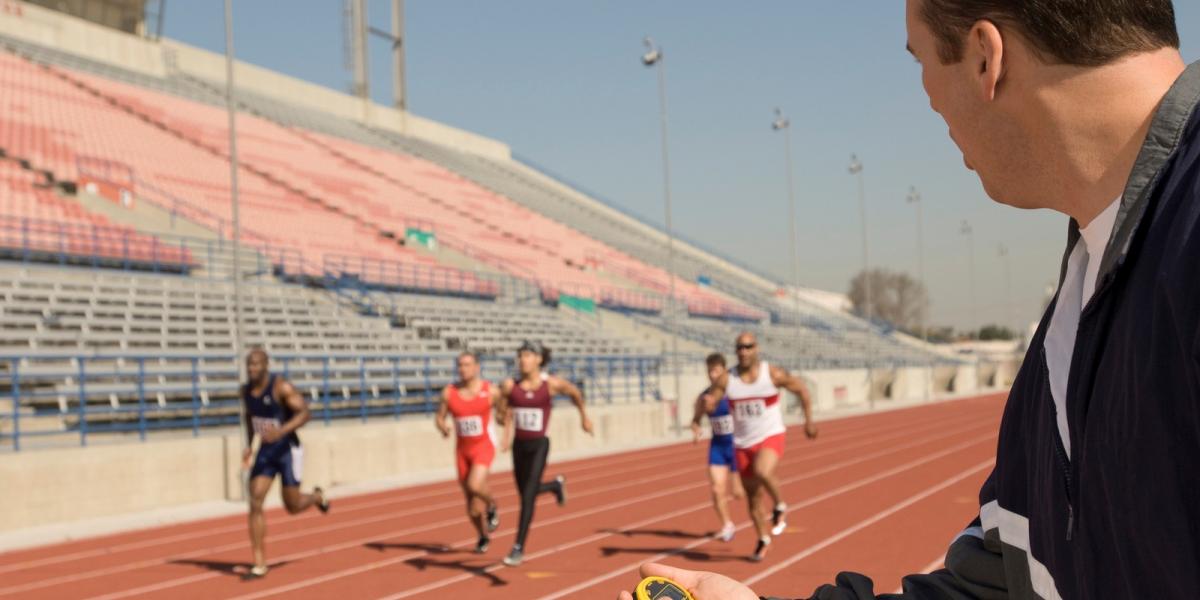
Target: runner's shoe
726 533
493 518
482 545
324 504
780 525
515 557
760 550
561 491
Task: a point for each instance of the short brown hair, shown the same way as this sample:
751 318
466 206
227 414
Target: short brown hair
1085 33
714 359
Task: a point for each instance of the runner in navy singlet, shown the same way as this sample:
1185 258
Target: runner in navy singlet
526 402
274 411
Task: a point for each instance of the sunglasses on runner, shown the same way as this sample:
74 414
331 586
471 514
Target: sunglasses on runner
745 346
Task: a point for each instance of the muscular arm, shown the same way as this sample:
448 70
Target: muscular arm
699 409
503 414
295 402
246 421
795 385
717 389
558 385
443 409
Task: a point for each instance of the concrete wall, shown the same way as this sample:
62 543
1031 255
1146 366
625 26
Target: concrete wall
54 486
912 383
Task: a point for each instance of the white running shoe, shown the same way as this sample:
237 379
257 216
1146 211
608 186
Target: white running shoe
780 525
727 532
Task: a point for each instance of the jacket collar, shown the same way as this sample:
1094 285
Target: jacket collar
1166 131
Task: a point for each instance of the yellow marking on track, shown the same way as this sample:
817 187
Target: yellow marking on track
540 574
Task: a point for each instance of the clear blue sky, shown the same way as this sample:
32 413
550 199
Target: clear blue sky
562 84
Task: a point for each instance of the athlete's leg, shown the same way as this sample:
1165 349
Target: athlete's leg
478 499
735 484
259 486
296 502
718 476
528 472
764 470
554 486
754 497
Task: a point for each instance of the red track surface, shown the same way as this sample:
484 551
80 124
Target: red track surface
880 494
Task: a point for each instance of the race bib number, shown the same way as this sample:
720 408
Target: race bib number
722 425
469 426
749 409
528 419
261 424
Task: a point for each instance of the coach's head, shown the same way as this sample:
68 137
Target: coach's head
1031 90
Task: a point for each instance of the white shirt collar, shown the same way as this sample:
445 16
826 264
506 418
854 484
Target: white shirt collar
1095 239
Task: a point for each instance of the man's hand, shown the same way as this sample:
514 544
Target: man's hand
246 458
695 433
443 429
810 430
702 585
271 434
587 426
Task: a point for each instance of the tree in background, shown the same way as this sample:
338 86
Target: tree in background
895 297
990 333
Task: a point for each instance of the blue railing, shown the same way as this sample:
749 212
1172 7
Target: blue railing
40 240
56 400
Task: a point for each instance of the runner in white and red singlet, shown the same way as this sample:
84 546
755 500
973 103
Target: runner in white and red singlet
753 389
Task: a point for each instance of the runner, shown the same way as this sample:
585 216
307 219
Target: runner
758 431
470 402
722 461
526 404
274 411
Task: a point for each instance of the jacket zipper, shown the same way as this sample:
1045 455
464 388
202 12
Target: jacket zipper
1064 464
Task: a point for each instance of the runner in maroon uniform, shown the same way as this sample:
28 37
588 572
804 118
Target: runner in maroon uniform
526 403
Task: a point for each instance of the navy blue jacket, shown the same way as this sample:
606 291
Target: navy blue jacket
1120 518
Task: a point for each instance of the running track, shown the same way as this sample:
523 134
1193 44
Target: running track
881 494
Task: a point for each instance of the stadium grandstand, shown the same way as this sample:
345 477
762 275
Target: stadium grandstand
374 245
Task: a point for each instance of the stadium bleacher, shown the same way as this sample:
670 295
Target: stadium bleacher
365 320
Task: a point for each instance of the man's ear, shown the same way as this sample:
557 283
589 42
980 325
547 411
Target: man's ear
985 55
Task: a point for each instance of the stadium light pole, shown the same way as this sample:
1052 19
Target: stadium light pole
233 198
781 123
914 198
856 168
969 232
651 59
1002 251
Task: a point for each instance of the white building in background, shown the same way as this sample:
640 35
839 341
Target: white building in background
829 300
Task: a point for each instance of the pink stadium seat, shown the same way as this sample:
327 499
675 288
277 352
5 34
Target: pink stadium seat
324 196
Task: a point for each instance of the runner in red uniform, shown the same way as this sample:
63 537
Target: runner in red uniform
470 402
526 403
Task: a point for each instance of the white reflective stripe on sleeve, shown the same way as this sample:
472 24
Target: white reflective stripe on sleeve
298 463
971 531
1014 531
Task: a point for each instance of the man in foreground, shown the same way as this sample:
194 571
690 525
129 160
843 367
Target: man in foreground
1085 108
